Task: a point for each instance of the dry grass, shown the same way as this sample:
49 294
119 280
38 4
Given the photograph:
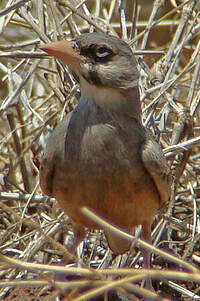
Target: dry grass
35 94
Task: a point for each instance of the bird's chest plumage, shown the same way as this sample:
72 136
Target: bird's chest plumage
102 167
98 145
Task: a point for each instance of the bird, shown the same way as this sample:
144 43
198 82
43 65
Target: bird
100 156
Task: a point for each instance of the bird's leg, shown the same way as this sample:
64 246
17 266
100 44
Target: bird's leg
146 236
79 234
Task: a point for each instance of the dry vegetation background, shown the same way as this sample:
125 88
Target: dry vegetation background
36 92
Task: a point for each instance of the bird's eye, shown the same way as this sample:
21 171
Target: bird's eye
103 52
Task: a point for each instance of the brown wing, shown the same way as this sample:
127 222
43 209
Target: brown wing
53 153
157 166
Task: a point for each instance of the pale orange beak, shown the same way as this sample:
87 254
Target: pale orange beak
65 51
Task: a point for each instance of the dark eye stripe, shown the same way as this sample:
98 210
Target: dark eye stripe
103 52
93 74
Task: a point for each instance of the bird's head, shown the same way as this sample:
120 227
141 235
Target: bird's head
103 64
101 59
